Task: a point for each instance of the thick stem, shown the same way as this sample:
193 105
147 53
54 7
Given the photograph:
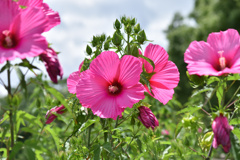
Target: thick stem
11 108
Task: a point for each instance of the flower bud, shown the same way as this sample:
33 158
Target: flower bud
141 37
50 115
106 45
52 64
116 39
128 29
137 28
221 130
147 118
89 50
117 24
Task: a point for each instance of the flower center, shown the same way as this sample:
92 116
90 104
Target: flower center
222 60
8 40
114 88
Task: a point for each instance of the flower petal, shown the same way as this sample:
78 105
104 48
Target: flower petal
130 70
130 96
158 55
167 78
72 81
226 41
106 65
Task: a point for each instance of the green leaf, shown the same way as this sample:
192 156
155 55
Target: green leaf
149 61
236 132
97 151
27 64
16 149
21 77
235 121
54 136
212 79
108 148
190 109
201 91
6 66
233 77
4 154
88 123
144 80
219 93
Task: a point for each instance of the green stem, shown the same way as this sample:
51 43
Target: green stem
233 96
11 107
209 153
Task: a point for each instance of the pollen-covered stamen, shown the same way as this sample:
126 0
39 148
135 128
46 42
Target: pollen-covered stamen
7 39
222 60
114 88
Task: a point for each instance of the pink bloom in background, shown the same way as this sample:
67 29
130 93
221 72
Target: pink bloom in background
147 118
52 17
20 31
166 75
51 114
165 132
111 84
54 68
219 55
221 130
73 79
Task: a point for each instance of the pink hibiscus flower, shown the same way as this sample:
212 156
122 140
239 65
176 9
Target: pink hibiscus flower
53 66
20 31
110 85
221 130
73 79
53 17
219 55
165 77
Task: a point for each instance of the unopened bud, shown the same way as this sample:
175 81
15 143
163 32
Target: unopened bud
137 28
141 37
117 24
116 39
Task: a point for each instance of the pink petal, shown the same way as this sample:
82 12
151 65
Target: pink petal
202 68
226 41
106 65
91 89
32 3
130 96
72 81
158 55
161 94
129 71
107 108
9 10
167 78
29 22
53 17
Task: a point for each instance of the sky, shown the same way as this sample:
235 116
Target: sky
81 19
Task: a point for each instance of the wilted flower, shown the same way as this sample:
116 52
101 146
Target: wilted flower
165 77
110 84
147 118
221 130
51 114
20 31
219 55
54 68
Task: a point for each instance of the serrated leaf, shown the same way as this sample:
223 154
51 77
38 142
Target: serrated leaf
108 148
96 152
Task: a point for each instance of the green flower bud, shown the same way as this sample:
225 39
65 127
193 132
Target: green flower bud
89 50
128 29
123 19
116 39
137 28
133 21
94 41
134 51
117 24
103 37
141 37
106 45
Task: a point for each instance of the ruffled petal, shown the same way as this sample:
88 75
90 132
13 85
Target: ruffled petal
106 65
158 55
226 42
167 78
130 96
129 71
72 81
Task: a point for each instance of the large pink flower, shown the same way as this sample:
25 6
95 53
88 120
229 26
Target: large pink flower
219 55
165 77
110 85
20 31
53 17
